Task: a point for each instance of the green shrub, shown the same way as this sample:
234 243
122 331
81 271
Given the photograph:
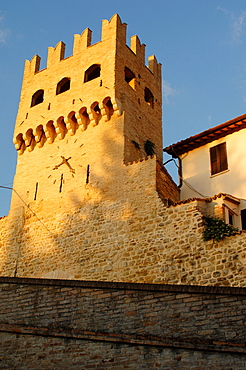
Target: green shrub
217 229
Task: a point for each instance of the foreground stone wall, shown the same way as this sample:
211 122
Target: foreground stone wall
82 325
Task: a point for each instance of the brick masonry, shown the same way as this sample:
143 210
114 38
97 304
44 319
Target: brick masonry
74 324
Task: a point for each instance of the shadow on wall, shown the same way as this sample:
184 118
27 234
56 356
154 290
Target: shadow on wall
94 239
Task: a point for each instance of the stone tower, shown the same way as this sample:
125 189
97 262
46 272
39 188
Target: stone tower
82 117
89 182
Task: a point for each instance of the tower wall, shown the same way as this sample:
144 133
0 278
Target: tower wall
73 143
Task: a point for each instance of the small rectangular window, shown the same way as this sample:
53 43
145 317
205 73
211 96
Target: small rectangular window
218 158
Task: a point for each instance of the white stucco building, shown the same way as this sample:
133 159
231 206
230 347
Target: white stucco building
213 164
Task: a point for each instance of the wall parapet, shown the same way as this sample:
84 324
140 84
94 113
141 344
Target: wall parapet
95 284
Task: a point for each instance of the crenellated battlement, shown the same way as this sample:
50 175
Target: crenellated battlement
108 68
111 30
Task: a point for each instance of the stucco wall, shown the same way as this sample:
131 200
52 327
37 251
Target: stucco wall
196 169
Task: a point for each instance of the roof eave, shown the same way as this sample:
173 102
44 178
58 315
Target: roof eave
207 136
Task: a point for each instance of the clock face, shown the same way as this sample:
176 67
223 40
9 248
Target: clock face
66 164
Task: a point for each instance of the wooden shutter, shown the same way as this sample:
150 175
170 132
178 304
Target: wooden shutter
222 157
218 158
213 160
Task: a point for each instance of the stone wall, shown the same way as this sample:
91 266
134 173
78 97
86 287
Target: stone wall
86 325
134 239
165 186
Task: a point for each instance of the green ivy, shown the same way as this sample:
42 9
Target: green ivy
217 229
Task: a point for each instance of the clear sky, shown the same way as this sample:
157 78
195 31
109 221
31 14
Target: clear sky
200 43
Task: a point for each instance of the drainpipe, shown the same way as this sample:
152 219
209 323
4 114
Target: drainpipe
180 174
180 170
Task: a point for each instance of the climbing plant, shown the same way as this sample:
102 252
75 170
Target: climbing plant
217 229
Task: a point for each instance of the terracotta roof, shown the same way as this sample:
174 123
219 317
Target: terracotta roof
225 196
207 136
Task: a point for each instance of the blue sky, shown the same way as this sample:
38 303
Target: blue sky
200 43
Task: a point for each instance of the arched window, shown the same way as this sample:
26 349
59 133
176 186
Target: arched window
63 85
149 97
130 77
92 72
37 98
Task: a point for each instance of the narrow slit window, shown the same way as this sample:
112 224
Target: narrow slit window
61 184
88 174
92 72
218 158
36 191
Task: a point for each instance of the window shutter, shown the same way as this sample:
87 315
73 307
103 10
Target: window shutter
222 157
218 158
213 160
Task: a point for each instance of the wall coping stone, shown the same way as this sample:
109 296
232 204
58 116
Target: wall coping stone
224 290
